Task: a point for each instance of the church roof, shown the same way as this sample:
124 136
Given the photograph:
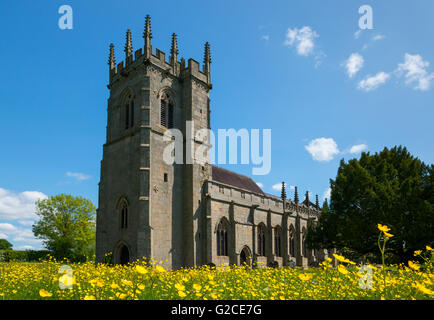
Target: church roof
235 179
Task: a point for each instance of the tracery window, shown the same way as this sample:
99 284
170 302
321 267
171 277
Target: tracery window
261 239
166 112
129 112
277 241
124 214
222 238
292 241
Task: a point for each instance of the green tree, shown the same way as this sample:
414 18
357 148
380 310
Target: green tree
5 245
66 226
392 188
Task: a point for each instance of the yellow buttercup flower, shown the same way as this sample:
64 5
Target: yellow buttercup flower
141 269
179 287
305 276
44 293
413 265
182 294
127 282
121 295
417 252
424 289
342 269
141 286
429 248
342 259
383 228
89 298
389 235
160 269
197 287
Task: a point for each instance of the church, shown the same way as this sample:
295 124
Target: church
183 215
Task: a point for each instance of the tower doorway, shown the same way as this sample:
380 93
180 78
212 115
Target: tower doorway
245 256
124 255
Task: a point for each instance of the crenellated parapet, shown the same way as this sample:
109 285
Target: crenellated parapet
168 65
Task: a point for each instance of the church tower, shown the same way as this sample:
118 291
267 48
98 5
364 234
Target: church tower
148 207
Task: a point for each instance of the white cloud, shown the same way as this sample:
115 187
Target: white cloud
373 82
354 64
77 175
378 37
277 187
322 149
265 37
18 205
260 185
22 236
303 39
291 187
24 248
327 194
26 222
414 68
357 34
358 148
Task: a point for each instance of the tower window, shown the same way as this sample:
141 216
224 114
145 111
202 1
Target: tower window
129 113
165 177
163 114
124 215
166 112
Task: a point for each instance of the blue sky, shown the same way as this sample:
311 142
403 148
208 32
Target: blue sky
300 68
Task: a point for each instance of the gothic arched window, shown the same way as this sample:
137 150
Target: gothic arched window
166 111
222 238
124 214
303 243
129 112
277 241
261 240
292 241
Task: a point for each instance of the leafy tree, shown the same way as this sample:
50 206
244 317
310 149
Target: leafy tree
66 226
392 188
5 245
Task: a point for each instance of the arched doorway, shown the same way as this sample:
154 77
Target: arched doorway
245 256
124 255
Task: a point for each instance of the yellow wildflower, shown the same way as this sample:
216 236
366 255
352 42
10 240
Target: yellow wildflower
389 235
305 276
342 269
179 287
417 252
422 288
197 287
342 259
383 228
182 294
413 265
429 248
160 269
141 269
44 293
121 295
89 298
141 286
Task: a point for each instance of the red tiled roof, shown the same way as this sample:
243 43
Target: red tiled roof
235 179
